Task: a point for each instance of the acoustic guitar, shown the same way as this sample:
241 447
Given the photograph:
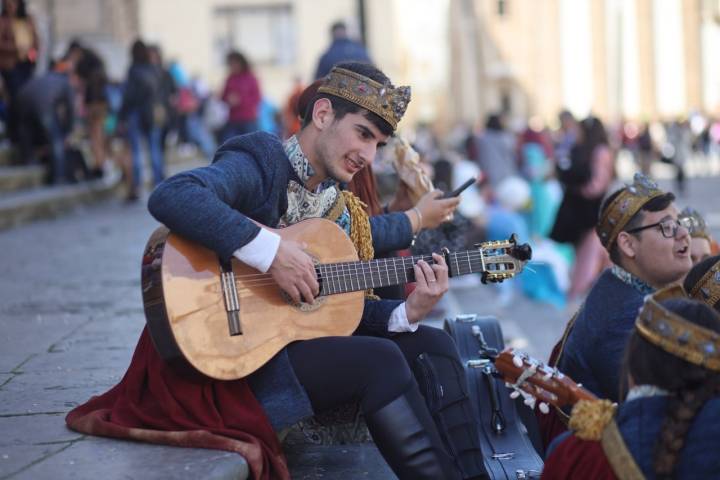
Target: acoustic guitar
226 321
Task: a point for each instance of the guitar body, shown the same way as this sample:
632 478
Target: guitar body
186 307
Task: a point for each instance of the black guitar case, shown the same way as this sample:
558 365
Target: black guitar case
509 435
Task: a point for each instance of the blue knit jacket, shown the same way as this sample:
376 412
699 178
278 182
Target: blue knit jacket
595 347
212 205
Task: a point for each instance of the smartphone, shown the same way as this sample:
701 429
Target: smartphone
460 189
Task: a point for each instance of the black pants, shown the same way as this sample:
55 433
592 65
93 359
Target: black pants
370 370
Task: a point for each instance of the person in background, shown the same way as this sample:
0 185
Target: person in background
586 179
19 46
701 242
90 68
495 153
143 115
342 49
46 115
242 95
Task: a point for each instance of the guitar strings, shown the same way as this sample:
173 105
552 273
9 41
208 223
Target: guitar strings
460 258
341 274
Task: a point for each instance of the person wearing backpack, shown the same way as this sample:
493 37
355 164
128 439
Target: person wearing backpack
143 115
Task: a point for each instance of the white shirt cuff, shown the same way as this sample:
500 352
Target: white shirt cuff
398 322
260 252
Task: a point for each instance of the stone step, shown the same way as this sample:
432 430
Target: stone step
50 201
6 156
21 177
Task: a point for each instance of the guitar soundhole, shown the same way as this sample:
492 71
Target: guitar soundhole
304 306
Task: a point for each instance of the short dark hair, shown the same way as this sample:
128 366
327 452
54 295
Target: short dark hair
21 9
690 386
338 27
696 274
342 107
654 205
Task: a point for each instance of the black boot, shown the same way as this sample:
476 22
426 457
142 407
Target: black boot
407 438
443 383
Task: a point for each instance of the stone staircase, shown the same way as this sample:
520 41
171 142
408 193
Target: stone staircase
24 196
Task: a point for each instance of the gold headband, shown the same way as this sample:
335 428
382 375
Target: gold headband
674 334
627 203
698 227
707 290
386 101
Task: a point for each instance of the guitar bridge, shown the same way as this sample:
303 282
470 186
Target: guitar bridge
232 302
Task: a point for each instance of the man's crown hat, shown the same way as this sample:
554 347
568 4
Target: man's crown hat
624 206
384 100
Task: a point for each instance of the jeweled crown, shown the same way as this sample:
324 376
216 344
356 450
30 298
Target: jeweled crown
623 207
674 334
698 226
707 290
385 100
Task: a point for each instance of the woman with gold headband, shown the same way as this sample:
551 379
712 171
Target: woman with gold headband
669 424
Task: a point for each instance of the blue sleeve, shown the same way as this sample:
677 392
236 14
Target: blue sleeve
375 317
390 231
201 204
606 359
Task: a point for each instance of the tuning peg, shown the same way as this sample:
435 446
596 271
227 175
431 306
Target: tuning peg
514 394
517 361
544 408
530 402
547 376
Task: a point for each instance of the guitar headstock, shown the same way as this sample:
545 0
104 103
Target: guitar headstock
536 381
503 259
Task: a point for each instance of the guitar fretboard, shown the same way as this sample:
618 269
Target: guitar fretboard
353 276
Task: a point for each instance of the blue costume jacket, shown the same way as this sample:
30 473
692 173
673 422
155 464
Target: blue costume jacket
640 421
594 349
248 178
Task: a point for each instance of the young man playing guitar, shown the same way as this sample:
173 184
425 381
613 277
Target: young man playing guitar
256 180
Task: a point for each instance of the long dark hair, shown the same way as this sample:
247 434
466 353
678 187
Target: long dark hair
21 9
690 385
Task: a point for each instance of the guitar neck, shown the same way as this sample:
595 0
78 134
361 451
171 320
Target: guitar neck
383 272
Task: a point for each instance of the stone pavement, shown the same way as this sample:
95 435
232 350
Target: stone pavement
71 311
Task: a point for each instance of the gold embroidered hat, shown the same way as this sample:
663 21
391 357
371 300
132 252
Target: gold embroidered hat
384 100
707 290
674 334
697 226
624 206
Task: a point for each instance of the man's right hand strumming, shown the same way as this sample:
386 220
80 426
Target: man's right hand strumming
294 271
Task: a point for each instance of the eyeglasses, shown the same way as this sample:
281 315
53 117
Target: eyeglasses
668 227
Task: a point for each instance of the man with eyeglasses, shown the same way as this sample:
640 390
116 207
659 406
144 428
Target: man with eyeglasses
650 248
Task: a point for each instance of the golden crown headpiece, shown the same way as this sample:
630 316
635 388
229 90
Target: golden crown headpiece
674 334
697 226
623 207
707 290
384 100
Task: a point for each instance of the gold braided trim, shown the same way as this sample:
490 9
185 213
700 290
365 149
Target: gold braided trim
628 202
621 460
590 417
707 290
674 334
360 232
